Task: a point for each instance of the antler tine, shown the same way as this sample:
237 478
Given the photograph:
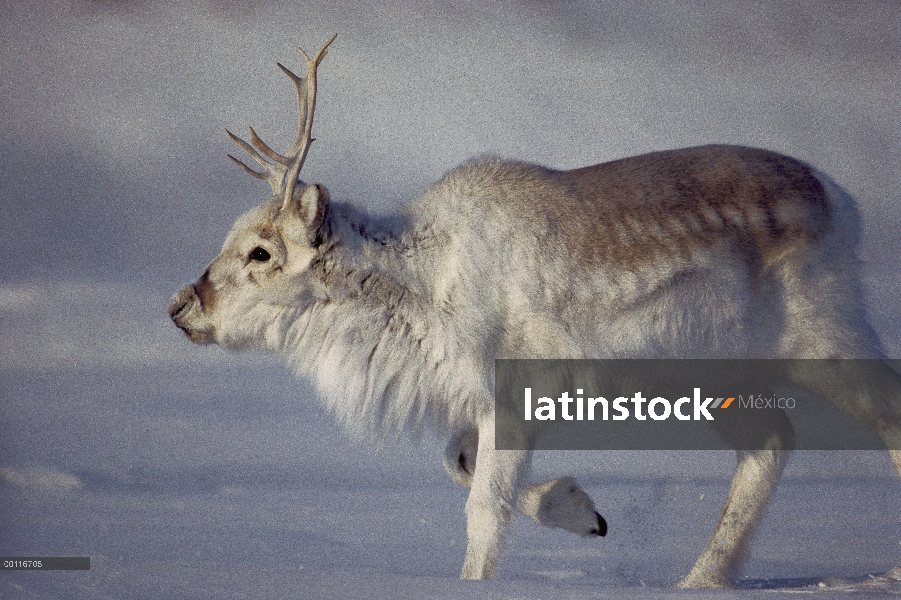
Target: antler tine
306 105
274 174
247 147
300 85
247 169
265 149
284 169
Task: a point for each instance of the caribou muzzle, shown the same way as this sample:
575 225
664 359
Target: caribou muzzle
186 311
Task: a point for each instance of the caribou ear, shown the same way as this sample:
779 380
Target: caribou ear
308 209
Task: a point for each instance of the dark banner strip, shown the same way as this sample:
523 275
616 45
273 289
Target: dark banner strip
745 404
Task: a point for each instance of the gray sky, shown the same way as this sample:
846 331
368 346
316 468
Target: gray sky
113 151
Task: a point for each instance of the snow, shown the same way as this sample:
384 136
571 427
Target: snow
219 482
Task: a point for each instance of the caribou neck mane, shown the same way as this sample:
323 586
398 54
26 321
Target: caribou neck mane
372 336
378 261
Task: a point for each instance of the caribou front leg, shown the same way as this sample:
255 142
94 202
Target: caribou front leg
556 503
492 499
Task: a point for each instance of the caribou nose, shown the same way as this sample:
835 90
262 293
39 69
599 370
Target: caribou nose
180 301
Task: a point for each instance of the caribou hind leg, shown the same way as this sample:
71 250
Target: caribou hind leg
755 479
764 439
823 320
559 502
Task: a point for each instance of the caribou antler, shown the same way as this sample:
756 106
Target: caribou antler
283 171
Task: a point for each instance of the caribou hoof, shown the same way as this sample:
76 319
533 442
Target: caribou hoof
601 531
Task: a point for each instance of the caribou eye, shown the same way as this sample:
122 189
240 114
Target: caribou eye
259 254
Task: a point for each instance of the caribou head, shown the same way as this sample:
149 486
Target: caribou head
263 263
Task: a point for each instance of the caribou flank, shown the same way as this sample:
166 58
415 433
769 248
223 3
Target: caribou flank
713 251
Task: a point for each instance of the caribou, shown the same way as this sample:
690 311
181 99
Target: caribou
711 251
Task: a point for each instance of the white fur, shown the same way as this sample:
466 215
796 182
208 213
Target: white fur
398 321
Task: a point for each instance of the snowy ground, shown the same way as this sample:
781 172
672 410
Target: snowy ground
221 485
